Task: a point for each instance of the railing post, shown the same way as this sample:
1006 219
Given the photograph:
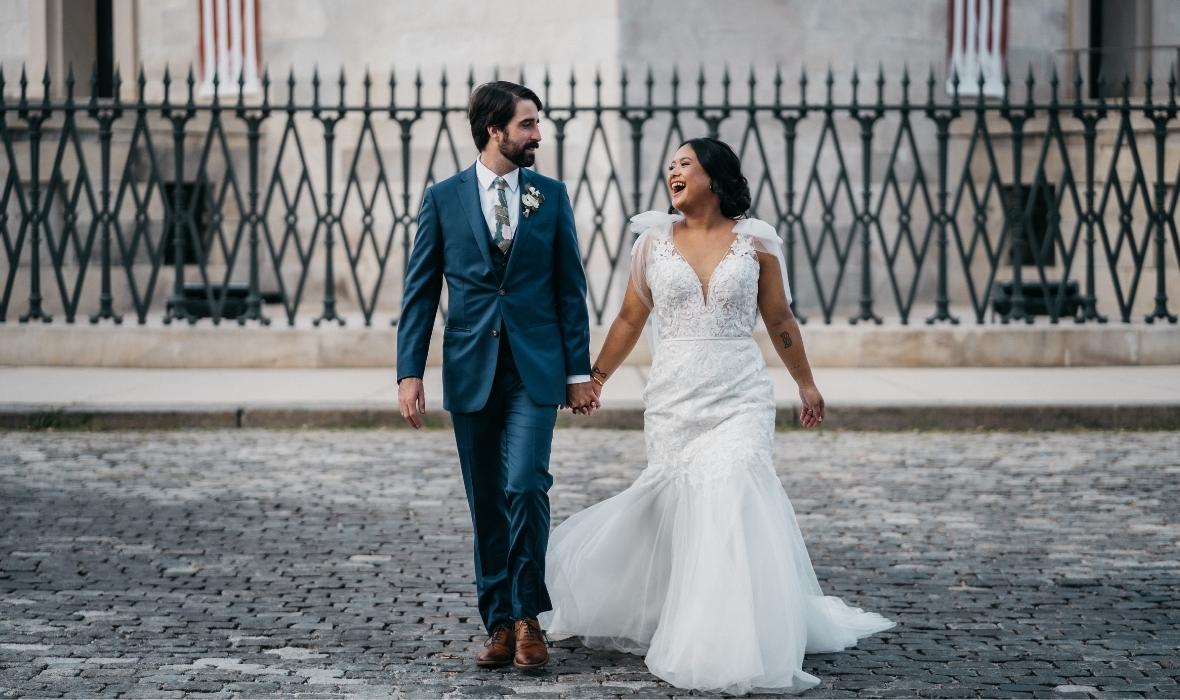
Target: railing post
1088 310
1014 207
942 120
867 118
1160 116
177 307
789 118
35 119
406 123
713 120
636 119
253 120
328 218
105 117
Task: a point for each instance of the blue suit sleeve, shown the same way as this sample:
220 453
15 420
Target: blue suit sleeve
423 286
571 292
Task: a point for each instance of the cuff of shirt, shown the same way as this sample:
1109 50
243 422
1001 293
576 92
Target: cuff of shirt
577 378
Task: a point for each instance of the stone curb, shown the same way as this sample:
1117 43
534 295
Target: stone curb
847 417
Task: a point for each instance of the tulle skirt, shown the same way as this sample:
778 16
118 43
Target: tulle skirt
700 565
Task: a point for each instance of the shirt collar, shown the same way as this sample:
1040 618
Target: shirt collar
486 176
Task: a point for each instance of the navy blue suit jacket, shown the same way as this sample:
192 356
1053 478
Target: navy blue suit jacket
541 300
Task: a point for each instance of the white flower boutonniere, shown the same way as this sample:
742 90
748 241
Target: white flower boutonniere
532 200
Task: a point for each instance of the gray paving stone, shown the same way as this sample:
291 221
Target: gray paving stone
338 564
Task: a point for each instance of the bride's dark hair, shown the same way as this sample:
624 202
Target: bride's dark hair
725 170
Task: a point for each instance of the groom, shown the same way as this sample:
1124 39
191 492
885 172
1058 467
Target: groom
515 347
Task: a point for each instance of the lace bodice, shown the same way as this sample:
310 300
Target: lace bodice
684 310
681 308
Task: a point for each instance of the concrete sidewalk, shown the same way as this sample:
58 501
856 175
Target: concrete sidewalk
870 398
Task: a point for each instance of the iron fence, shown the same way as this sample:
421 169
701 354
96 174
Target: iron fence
909 203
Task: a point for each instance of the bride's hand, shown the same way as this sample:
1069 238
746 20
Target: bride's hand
812 413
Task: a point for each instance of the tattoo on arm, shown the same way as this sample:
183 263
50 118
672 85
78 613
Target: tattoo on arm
786 338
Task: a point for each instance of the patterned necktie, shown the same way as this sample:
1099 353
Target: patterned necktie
502 222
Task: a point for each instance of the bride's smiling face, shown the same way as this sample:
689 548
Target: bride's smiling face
688 183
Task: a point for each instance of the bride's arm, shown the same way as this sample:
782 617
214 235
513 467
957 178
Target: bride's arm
788 343
623 334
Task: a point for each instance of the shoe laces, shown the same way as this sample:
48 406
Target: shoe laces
499 636
530 629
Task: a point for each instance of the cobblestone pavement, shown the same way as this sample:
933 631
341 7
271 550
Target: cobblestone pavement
276 563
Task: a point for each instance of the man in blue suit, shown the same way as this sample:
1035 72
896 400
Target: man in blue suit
515 348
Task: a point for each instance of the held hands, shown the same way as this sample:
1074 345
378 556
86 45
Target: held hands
812 413
411 398
582 397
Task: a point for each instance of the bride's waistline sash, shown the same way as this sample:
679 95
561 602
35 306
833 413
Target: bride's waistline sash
706 337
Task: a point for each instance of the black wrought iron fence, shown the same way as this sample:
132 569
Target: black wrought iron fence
300 202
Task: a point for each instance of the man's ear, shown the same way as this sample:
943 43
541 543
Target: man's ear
493 132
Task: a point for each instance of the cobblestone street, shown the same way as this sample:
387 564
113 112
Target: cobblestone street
337 563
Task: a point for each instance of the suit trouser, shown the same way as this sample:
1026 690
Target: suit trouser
504 453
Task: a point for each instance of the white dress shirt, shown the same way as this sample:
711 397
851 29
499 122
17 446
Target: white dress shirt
489 198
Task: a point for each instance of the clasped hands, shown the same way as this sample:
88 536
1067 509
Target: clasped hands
583 397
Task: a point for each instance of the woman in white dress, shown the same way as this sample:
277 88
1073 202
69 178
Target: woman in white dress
700 564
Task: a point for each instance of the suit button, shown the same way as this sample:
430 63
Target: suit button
495 334
501 292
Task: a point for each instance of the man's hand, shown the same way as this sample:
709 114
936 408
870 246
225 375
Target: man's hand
582 398
411 398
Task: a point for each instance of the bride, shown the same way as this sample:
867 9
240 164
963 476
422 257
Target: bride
700 564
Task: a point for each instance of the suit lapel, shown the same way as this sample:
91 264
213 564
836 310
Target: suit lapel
469 198
524 223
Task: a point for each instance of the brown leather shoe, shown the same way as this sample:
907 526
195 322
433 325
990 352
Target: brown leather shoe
532 652
497 650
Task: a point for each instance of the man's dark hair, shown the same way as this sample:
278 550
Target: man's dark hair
494 104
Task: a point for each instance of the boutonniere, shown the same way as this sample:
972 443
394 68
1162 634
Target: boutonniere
532 200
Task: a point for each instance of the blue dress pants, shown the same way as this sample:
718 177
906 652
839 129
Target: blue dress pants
504 453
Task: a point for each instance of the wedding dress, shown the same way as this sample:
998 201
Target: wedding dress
700 564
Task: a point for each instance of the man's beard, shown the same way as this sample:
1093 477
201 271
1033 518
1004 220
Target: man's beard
521 157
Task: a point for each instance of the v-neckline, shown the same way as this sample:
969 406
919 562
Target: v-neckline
706 285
